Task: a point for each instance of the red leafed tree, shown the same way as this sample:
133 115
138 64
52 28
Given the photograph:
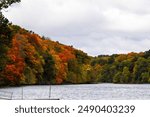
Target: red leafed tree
66 55
14 70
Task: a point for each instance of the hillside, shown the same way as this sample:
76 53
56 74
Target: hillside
29 59
123 68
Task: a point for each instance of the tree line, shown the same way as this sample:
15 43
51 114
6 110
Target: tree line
123 68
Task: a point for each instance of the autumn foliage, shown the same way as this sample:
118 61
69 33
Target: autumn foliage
15 67
28 59
35 60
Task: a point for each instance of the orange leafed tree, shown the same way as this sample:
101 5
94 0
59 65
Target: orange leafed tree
14 70
66 55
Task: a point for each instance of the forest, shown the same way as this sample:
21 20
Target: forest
28 59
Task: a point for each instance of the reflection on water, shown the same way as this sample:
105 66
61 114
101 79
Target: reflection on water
82 92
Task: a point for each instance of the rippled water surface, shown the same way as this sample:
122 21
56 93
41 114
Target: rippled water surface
83 92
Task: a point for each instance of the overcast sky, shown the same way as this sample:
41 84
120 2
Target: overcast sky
95 26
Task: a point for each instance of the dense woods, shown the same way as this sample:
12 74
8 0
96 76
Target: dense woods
123 68
30 59
27 59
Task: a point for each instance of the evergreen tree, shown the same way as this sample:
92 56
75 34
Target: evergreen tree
49 69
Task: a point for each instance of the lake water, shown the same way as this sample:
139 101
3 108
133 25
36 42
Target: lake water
83 92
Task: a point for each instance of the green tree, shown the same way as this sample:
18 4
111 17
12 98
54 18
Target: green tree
49 69
82 57
126 75
106 74
147 54
4 21
117 77
95 73
74 71
5 31
145 77
141 66
30 77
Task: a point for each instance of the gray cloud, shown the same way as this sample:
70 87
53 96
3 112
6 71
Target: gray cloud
95 26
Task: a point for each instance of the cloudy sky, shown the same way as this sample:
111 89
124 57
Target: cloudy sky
95 26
